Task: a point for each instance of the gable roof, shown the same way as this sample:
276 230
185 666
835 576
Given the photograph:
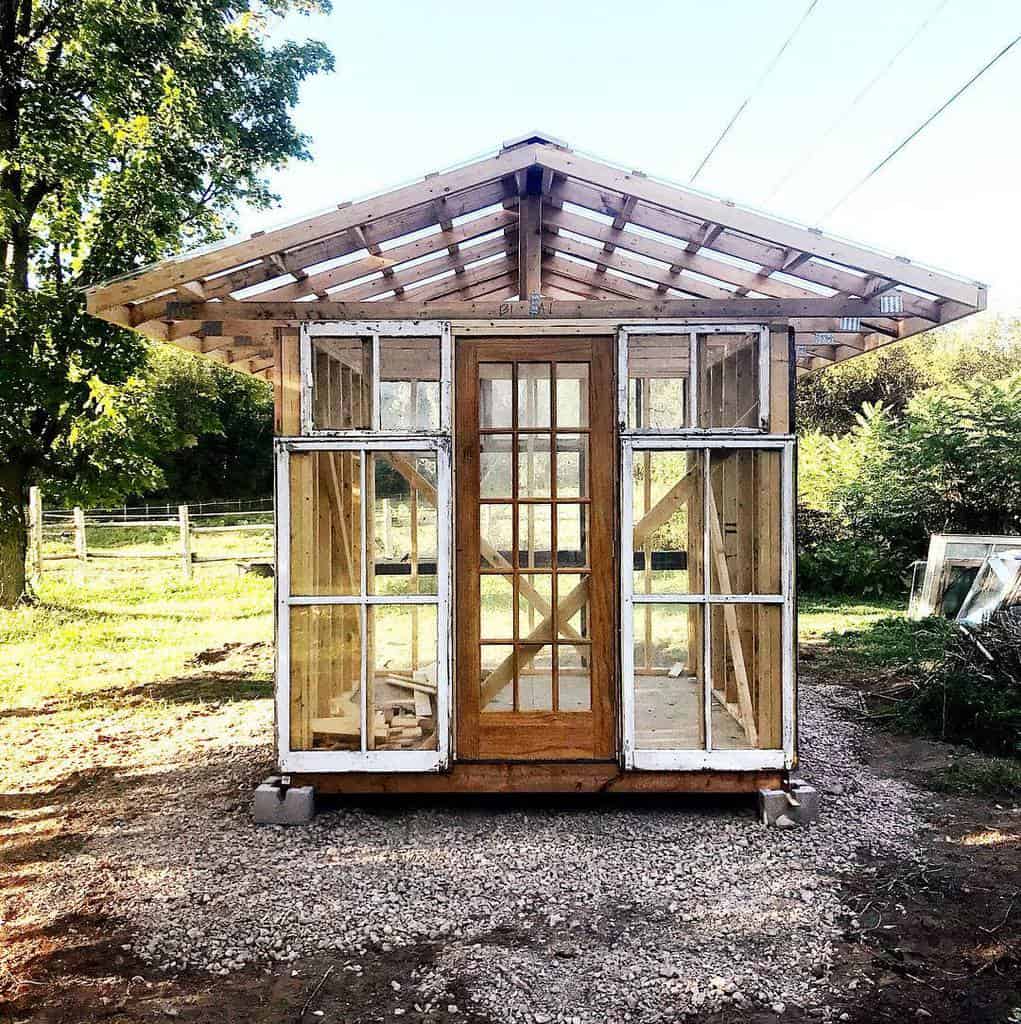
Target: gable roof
536 216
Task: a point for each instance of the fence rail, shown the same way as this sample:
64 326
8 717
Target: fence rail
77 523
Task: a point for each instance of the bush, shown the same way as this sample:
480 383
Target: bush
974 694
832 559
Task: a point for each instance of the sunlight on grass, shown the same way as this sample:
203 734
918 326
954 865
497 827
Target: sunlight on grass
818 617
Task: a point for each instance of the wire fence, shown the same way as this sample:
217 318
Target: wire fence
199 533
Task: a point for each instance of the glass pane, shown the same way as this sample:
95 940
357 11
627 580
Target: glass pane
572 465
659 372
572 535
495 466
402 667
533 465
409 383
496 536
497 677
573 593
574 677
496 614
746 645
495 399
534 536
326 664
535 677
326 523
667 510
533 395
668 677
572 395
729 380
535 604
341 383
403 537
744 521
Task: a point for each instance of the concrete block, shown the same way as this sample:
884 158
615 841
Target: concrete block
797 805
275 804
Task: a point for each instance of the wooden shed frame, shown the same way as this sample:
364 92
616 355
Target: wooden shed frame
536 257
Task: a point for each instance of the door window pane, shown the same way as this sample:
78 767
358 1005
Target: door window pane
572 535
496 455
403 528
659 375
496 607
409 383
325 673
497 677
341 383
574 677
495 396
533 395
667 510
573 592
535 677
572 465
496 533
729 380
668 679
535 605
572 395
534 536
533 465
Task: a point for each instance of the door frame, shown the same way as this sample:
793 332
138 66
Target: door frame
601 725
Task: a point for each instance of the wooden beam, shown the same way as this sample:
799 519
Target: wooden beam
529 245
714 211
172 275
747 309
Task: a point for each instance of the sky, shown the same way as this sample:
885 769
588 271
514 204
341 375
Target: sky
650 84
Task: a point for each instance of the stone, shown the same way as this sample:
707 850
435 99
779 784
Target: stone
274 805
799 804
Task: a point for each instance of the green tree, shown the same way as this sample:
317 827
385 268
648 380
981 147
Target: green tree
129 129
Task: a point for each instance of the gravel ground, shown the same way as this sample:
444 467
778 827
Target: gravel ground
551 910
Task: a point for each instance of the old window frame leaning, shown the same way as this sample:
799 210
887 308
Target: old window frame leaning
695 363
705 441
365 442
374 330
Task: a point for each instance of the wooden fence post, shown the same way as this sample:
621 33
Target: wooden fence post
35 532
81 548
185 528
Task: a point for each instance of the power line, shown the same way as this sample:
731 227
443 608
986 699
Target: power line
755 88
845 113
925 124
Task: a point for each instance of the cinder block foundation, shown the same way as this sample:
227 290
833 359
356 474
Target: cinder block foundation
276 804
785 808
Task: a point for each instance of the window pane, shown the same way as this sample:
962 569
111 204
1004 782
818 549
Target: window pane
659 371
572 465
572 395
535 605
325 663
729 390
341 383
403 539
496 610
535 677
495 465
402 667
326 523
495 401
572 536
746 646
667 510
574 677
533 395
745 521
668 677
533 465
497 677
409 383
534 536
573 606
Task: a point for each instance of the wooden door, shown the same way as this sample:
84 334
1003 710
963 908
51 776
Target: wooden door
536 572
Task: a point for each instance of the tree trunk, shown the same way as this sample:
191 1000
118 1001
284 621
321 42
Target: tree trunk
13 500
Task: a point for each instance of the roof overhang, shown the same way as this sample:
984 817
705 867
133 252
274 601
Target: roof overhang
536 230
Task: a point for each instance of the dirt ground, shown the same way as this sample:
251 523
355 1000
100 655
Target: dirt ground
936 936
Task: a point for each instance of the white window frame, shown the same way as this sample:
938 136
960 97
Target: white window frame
373 329
695 363
706 758
364 760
